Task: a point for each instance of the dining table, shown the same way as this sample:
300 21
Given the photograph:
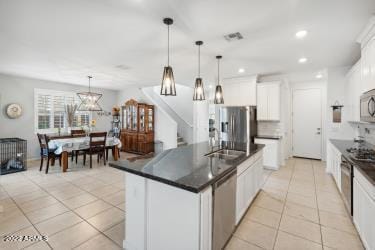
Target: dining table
64 146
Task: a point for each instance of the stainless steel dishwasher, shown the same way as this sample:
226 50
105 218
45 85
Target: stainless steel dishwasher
224 209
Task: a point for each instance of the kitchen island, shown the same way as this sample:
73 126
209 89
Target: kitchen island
170 197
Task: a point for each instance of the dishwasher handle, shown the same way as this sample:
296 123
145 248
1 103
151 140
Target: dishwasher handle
224 179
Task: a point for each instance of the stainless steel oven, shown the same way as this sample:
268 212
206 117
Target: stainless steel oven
347 184
368 106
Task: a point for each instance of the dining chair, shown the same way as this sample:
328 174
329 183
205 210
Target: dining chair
96 146
77 133
114 148
46 152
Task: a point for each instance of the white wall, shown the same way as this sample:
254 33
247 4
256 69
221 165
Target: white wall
20 90
182 103
201 116
336 91
131 93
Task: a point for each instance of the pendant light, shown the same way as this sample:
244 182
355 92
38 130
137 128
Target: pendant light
168 85
218 91
89 100
198 89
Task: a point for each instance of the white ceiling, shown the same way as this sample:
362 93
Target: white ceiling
123 42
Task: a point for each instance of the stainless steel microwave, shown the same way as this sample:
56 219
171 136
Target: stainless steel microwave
368 106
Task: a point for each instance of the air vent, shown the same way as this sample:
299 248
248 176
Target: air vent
233 36
123 67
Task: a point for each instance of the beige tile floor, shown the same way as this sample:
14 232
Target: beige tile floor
299 207
80 209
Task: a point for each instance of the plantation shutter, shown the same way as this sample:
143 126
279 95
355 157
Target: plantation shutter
44 103
50 111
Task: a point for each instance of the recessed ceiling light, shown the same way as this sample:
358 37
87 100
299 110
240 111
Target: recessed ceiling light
302 60
241 70
301 34
210 86
319 76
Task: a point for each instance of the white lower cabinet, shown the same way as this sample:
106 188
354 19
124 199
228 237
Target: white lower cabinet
271 153
249 181
334 163
364 210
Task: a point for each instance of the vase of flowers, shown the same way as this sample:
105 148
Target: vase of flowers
71 110
92 124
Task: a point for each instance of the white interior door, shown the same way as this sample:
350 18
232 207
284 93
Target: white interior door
307 123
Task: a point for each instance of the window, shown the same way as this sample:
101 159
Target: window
50 111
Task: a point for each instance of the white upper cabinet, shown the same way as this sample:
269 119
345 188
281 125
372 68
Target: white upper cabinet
367 41
368 66
361 77
240 91
268 101
262 99
354 91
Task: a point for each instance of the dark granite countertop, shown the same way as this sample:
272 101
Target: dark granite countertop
269 137
188 167
366 168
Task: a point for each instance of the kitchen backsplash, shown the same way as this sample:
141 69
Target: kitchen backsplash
367 131
270 128
371 136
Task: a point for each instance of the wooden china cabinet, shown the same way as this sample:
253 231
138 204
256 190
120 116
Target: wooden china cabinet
137 134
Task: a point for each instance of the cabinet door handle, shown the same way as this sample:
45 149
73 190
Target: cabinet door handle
371 106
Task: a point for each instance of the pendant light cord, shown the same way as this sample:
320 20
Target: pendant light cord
89 83
218 71
199 61
168 46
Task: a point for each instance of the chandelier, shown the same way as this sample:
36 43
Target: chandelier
89 100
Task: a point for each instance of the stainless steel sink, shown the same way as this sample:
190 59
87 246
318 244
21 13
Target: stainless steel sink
226 154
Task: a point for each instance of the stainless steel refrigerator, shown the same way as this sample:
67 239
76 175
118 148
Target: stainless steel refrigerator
238 124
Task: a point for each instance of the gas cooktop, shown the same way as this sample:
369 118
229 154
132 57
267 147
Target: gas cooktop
362 154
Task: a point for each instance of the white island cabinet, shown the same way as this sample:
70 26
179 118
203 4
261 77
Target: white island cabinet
249 182
161 217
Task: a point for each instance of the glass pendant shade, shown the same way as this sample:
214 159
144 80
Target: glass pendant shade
219 98
168 86
198 87
89 100
198 90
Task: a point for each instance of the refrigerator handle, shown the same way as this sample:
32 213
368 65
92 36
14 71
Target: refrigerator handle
231 127
234 121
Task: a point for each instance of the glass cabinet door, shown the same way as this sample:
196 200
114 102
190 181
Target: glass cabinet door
134 118
123 117
150 119
128 117
142 118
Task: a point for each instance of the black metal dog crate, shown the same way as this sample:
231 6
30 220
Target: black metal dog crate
13 155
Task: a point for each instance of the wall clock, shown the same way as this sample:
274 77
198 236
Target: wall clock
14 110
